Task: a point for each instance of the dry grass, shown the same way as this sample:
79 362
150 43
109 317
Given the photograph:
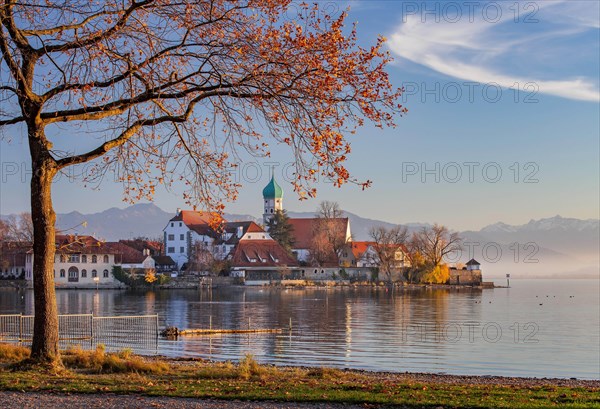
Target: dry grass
324 373
101 362
248 368
10 353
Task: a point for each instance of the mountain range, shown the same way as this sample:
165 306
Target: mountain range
548 247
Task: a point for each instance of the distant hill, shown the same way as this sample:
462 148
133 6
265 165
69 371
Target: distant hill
557 245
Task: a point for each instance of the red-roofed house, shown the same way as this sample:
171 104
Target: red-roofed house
261 259
364 254
304 231
80 261
86 261
190 228
12 259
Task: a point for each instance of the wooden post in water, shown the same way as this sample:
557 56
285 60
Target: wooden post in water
508 280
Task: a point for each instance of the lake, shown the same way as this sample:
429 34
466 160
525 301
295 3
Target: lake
539 328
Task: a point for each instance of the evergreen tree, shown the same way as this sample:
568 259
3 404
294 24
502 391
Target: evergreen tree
281 230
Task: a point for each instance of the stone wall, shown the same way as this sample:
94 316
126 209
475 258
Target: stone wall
465 277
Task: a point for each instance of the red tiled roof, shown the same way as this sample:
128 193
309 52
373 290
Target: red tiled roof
191 217
303 230
123 253
155 247
12 254
266 253
202 229
164 260
359 247
72 243
200 223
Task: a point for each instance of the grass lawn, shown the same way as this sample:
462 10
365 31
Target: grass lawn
99 372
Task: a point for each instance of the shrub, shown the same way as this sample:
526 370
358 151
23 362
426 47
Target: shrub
249 368
101 362
13 353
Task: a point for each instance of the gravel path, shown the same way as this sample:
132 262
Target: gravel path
36 400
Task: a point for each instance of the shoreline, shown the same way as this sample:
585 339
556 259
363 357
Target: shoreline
424 377
122 377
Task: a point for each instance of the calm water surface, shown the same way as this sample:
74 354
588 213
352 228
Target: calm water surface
542 328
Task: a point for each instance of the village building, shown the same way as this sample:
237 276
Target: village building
165 265
468 275
190 230
12 259
79 260
84 261
261 260
304 231
364 254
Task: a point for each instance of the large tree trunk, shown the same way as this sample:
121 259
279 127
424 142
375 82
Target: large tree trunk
44 347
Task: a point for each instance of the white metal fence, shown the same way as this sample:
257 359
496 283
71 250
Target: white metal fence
135 331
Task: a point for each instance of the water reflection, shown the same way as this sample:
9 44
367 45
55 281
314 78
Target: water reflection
370 328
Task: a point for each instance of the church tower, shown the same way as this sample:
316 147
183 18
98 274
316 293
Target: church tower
273 200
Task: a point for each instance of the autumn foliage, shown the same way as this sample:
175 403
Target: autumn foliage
175 87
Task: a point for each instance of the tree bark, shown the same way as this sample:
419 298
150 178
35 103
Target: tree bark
44 347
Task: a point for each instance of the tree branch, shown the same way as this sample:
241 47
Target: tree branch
100 36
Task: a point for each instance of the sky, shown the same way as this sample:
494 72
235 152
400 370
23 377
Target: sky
503 122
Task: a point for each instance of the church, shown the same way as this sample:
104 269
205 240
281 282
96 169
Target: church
303 229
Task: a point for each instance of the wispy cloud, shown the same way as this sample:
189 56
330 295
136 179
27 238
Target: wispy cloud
476 49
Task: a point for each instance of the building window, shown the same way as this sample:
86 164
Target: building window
84 273
94 274
105 273
73 274
84 258
179 224
106 259
271 210
94 259
62 273
171 237
181 249
181 237
74 258
171 250
172 224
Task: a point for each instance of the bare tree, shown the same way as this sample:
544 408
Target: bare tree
201 259
3 230
329 232
20 228
389 246
321 250
329 210
166 91
434 243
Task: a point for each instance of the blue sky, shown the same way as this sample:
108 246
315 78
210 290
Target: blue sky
503 121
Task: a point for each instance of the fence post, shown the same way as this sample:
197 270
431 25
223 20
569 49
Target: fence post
156 332
20 327
92 327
